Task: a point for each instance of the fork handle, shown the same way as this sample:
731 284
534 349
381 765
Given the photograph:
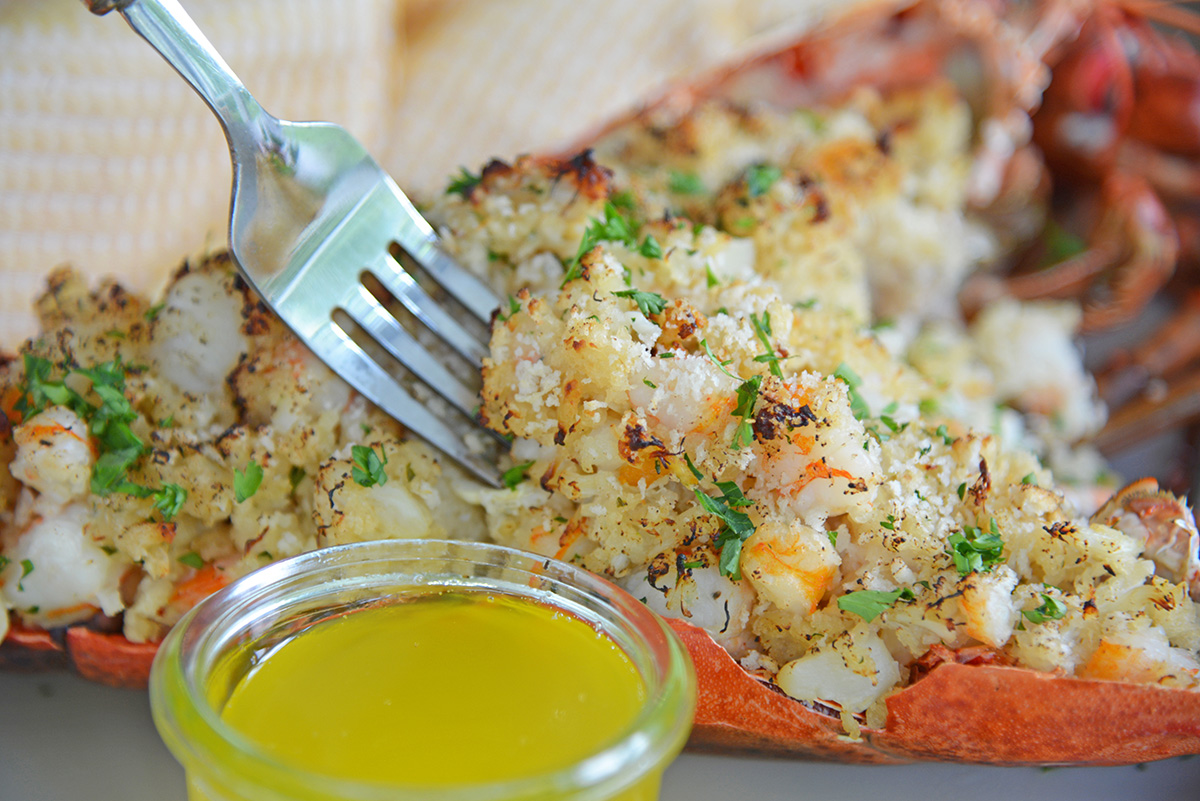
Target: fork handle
170 31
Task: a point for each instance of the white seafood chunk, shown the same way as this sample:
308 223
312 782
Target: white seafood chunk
852 675
54 455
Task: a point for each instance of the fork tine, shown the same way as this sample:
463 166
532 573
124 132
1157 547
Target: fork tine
417 237
383 328
334 346
406 290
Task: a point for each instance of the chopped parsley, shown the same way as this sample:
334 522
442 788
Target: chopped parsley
762 329
858 406
962 490
26 569
246 483
687 460
869 604
368 466
736 528
119 448
685 183
648 303
1050 609
169 500
516 474
760 178
514 306
944 434
295 476
463 183
976 551
722 364
710 277
650 248
747 396
1060 244
890 523
1029 478
649 383
613 227
192 560
151 314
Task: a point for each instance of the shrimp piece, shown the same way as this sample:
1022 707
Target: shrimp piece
1144 656
59 574
987 600
54 455
792 566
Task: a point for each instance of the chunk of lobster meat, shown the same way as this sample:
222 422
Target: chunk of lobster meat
987 598
853 672
1163 524
1143 656
687 584
54 455
792 566
56 574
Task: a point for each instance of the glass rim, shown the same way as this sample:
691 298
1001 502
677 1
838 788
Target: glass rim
198 737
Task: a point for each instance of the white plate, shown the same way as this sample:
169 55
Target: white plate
64 738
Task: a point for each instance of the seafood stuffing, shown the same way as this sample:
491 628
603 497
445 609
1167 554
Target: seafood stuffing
736 377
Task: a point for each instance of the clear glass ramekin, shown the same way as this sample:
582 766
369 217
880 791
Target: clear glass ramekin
198 666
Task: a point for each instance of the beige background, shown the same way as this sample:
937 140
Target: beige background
109 162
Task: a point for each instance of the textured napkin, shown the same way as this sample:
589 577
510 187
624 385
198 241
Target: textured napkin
109 162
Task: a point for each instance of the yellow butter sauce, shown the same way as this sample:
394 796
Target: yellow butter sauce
441 689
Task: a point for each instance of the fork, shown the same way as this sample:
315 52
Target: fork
312 214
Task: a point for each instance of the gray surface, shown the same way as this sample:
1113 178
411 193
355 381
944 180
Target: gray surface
63 738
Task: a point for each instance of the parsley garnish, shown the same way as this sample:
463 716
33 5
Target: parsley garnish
1029 478
614 227
747 395
858 406
762 329
26 569
650 248
685 183
975 551
514 306
516 474
710 278
687 460
295 476
648 303
169 500
1060 244
962 490
649 383
760 178
716 361
1050 609
245 484
868 604
368 466
192 560
463 183
109 422
944 434
151 313
737 525
890 523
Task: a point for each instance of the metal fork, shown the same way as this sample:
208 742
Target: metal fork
311 215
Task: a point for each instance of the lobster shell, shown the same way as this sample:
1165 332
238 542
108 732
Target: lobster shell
976 712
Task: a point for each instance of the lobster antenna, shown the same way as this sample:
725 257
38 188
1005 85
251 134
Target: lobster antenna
1168 12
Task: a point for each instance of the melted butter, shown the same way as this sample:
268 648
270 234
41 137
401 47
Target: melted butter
451 688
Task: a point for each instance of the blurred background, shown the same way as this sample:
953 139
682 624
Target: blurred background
109 162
